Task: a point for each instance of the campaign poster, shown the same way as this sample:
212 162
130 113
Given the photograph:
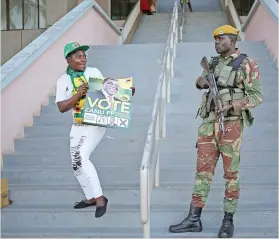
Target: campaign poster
108 102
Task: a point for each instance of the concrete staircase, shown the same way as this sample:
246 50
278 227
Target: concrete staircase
42 185
41 180
199 26
205 18
152 29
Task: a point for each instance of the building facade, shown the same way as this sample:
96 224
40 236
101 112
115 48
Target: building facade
243 6
24 20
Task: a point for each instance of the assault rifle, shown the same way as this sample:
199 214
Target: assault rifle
213 93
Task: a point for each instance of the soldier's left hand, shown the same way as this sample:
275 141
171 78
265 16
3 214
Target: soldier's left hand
225 109
133 90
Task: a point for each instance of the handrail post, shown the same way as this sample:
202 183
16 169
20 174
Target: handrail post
163 102
144 201
174 42
146 230
158 135
182 16
169 74
157 125
172 63
176 28
168 87
157 172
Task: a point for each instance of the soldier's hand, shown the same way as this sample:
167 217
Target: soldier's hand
82 89
202 83
225 109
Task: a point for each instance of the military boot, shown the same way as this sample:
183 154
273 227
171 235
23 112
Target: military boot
227 228
191 223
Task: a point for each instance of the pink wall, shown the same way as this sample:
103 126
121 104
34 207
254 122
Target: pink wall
263 27
31 88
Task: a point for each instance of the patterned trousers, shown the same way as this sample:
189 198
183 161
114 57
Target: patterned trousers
83 140
211 143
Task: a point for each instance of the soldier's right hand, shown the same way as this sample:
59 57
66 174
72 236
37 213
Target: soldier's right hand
82 89
202 83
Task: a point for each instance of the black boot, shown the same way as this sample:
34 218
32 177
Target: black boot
227 228
191 223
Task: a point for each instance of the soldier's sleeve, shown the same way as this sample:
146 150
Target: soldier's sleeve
203 74
252 85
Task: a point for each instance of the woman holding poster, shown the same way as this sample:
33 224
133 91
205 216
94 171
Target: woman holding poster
71 93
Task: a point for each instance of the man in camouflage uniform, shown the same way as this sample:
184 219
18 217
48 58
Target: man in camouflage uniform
238 81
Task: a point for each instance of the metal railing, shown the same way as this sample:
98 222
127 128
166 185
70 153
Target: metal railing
150 171
182 21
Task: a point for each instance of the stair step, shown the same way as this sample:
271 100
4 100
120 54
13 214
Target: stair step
134 208
176 118
61 215
52 120
55 145
265 68
128 232
136 185
209 52
37 175
57 216
102 51
178 90
60 131
252 197
58 145
120 174
51 116
37 195
265 158
188 142
251 48
268 108
46 131
98 158
68 232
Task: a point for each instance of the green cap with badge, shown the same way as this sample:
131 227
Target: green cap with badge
74 46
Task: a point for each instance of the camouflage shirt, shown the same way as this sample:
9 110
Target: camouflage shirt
247 79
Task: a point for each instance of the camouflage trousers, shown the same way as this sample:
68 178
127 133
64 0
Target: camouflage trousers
211 143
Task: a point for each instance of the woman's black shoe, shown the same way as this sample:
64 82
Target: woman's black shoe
84 204
101 210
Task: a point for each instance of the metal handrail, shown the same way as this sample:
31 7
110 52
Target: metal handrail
182 21
150 171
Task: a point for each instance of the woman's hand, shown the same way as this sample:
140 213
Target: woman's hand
133 90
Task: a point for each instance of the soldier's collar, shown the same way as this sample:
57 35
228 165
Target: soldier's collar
233 55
